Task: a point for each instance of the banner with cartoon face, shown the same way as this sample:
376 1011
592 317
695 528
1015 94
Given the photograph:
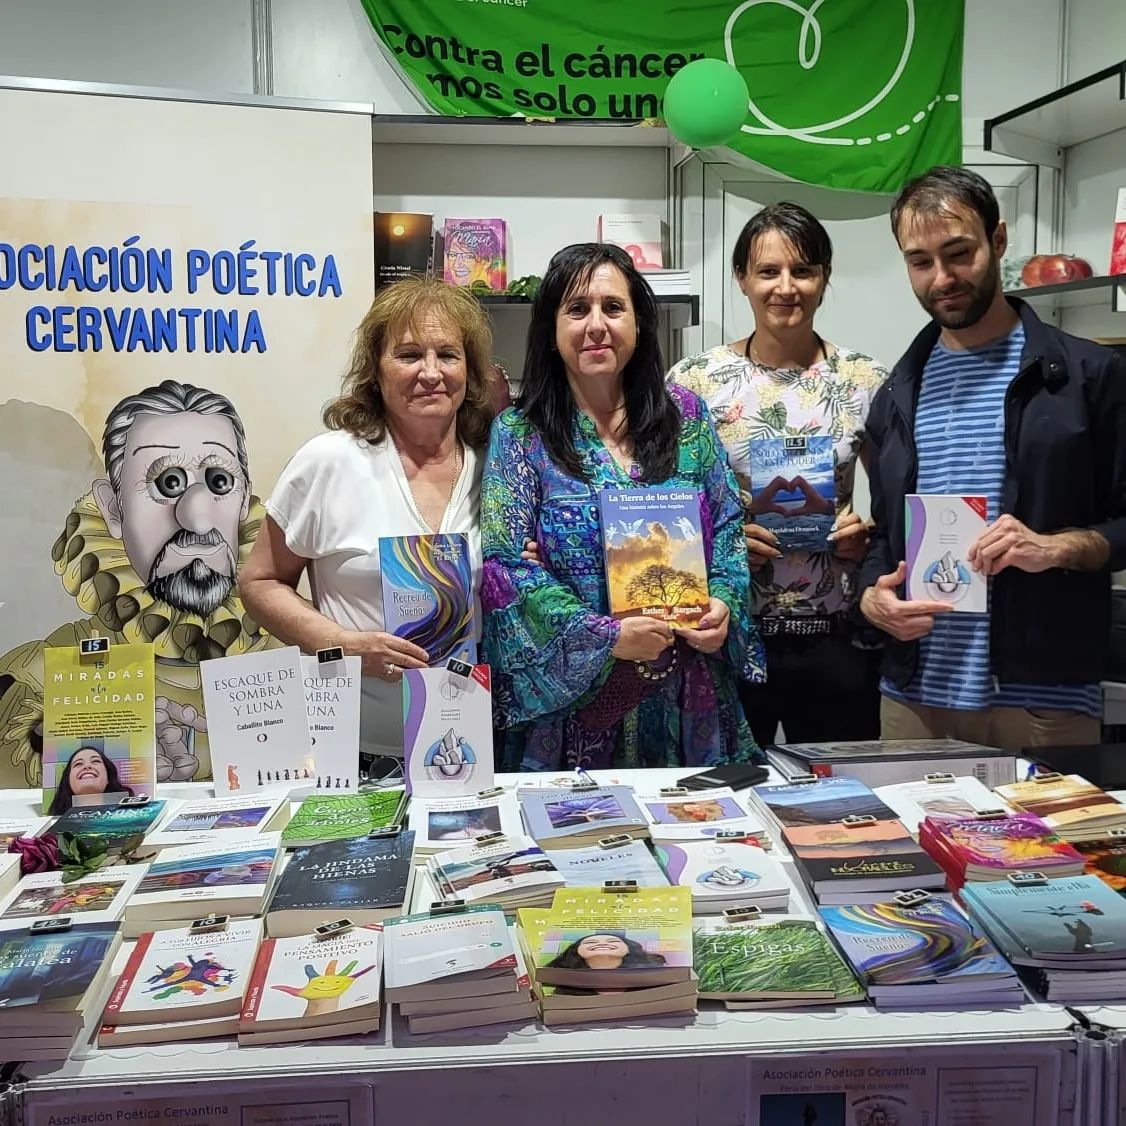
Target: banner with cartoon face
179 284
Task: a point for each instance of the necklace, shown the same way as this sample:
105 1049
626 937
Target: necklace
410 485
749 354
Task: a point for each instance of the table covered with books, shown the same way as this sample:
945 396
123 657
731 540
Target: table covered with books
968 1032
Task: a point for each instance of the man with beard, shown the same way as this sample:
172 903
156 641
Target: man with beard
151 553
989 400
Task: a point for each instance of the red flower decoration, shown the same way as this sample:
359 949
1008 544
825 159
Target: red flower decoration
37 854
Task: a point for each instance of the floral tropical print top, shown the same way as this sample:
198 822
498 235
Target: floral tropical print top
749 400
562 698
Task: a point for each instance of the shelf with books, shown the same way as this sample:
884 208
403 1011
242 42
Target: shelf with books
1083 110
1084 291
435 129
683 309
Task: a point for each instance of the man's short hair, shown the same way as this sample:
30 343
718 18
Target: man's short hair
933 192
169 397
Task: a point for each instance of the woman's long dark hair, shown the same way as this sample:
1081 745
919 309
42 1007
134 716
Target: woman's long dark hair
636 955
64 795
652 417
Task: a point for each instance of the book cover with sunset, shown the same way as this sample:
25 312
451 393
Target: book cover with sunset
404 245
654 546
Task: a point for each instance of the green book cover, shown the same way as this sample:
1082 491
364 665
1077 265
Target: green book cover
791 957
339 817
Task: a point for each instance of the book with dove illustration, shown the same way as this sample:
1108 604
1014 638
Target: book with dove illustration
654 547
940 530
307 987
793 489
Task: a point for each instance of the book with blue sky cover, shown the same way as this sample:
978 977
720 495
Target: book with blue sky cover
654 548
793 490
428 594
822 802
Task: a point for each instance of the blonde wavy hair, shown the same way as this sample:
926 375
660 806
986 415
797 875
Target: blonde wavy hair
406 304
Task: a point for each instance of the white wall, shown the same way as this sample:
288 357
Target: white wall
177 44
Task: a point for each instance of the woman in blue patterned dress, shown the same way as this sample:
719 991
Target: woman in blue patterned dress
573 686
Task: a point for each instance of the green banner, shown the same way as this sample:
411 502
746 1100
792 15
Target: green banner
850 94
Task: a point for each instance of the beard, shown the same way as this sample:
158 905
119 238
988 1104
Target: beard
196 588
981 297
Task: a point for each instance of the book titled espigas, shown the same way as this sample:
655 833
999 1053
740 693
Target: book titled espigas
654 548
428 594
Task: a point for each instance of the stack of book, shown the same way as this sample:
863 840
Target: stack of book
232 876
919 951
50 978
1107 861
508 873
991 846
212 820
1069 805
1068 934
365 880
678 814
723 874
578 816
847 844
771 964
625 859
939 795
314 986
568 1005
457 967
342 817
100 897
182 984
441 823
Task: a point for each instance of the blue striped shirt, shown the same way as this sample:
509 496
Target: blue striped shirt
960 437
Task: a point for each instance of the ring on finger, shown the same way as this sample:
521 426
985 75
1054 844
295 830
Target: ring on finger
392 669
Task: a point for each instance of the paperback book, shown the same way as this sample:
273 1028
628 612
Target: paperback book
115 825
332 709
13 827
99 725
940 531
1069 805
573 818
309 986
221 878
341 817
939 797
475 252
1107 861
364 880
931 952
793 489
447 731
722 874
179 975
604 939
640 236
592 867
824 802
654 549
428 594
771 963
404 246
699 815
514 872
256 723
99 897
444 823
210 820
1118 239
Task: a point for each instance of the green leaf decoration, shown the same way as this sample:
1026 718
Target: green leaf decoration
773 416
525 286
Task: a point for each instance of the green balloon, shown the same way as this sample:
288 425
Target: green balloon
705 103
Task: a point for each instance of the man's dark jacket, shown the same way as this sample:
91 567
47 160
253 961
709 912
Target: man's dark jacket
1065 468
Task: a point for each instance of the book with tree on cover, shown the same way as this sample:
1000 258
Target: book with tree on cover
654 548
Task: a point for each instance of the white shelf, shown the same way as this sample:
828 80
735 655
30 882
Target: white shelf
1081 111
1085 291
431 129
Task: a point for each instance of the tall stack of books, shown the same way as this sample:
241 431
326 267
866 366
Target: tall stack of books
453 968
1069 805
1068 934
847 844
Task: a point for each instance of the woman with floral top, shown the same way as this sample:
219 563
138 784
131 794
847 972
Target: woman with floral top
784 380
573 686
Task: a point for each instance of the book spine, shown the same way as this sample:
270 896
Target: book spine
257 986
128 976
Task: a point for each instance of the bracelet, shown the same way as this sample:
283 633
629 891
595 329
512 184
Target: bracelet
647 671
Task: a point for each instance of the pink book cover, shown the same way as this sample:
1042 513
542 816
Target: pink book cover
1118 245
1018 842
475 251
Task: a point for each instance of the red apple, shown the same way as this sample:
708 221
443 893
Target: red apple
1030 271
1082 268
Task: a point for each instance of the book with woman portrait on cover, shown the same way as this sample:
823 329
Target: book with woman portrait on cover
654 548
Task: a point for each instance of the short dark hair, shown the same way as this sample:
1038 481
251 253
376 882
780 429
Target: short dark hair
933 192
652 416
801 228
